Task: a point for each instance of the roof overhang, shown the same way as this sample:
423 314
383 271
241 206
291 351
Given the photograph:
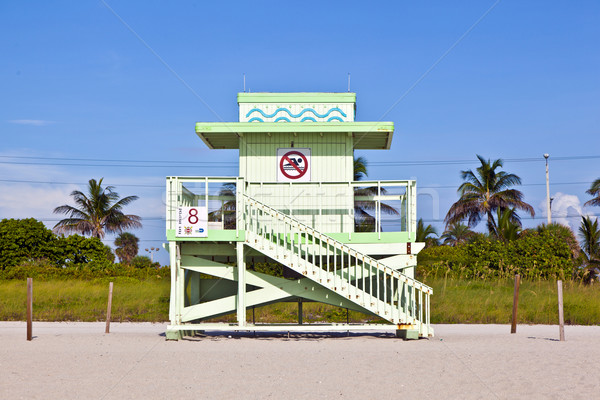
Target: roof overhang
226 135
310 97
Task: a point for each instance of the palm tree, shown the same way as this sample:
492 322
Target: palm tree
424 234
127 247
484 192
363 221
589 233
97 213
594 191
508 225
360 168
456 234
227 211
563 233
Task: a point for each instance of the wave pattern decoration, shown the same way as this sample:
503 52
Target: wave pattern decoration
286 119
335 119
296 115
308 119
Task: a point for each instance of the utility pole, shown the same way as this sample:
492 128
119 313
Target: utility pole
548 190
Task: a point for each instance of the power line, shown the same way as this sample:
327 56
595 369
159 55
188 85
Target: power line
523 184
458 162
113 160
162 186
143 219
74 183
190 165
94 162
554 217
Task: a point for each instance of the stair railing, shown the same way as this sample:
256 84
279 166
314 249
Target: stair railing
362 279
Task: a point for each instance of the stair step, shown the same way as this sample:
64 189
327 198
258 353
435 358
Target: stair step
277 246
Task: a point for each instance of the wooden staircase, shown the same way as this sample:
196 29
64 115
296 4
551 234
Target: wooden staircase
365 281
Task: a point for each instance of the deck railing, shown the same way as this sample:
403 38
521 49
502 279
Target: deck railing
353 206
368 282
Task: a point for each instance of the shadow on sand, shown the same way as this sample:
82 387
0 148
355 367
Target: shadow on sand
226 335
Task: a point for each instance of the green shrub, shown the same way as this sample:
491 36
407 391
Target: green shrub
76 250
274 269
453 255
24 240
534 255
143 262
42 270
29 241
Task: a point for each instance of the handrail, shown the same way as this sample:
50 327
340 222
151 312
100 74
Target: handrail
195 189
391 295
320 235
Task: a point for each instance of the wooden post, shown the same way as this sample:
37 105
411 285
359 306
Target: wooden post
561 317
253 318
347 320
109 307
29 308
513 327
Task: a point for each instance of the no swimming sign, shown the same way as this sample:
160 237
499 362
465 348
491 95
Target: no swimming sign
293 165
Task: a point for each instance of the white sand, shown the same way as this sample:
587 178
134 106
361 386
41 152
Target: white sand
78 361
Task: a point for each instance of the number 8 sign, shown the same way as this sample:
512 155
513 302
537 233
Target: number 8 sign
191 222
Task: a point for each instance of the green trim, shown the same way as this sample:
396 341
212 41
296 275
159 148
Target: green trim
373 237
213 236
273 127
226 135
301 97
355 237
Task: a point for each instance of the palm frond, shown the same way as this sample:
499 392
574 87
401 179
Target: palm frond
96 212
594 190
360 168
484 192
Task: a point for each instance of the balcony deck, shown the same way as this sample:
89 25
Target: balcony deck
351 212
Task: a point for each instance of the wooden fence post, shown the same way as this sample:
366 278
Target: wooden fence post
513 327
108 308
29 308
561 317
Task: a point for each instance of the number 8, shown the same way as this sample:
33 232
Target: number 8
194 216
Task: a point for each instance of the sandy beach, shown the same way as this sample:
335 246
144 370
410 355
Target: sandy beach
77 360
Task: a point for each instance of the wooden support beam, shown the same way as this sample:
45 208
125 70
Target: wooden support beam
109 307
561 317
241 296
513 327
173 253
29 308
273 289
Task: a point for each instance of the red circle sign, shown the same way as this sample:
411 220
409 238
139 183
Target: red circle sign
293 167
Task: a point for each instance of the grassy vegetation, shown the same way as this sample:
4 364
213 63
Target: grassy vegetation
134 300
84 300
312 313
490 301
455 300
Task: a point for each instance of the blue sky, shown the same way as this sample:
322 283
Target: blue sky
510 80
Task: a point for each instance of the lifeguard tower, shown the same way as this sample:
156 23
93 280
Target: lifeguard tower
295 202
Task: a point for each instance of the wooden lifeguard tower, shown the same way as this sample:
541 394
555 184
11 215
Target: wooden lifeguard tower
295 202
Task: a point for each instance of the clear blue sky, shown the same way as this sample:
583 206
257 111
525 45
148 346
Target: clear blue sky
77 83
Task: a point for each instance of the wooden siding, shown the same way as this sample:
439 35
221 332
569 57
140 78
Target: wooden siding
329 208
326 207
331 155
